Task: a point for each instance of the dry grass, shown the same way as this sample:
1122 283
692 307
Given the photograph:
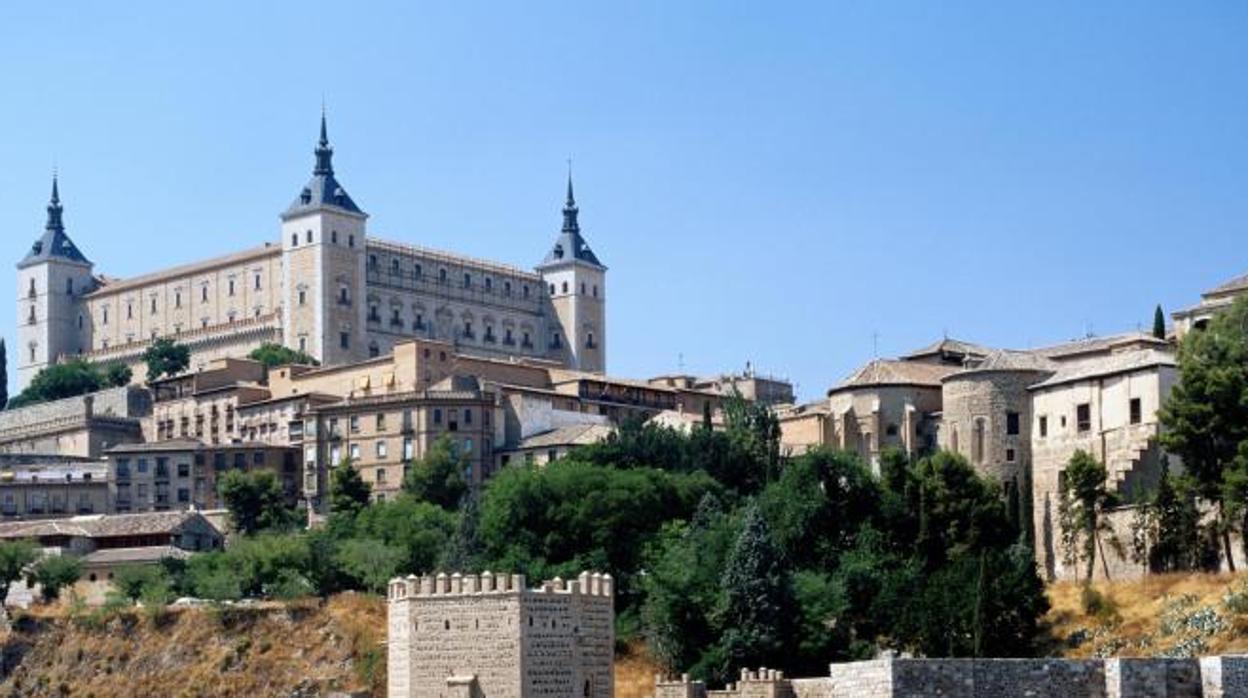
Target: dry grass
302 648
1153 616
634 673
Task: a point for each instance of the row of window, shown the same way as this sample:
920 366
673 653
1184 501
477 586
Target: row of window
177 301
1083 417
308 238
564 288
417 274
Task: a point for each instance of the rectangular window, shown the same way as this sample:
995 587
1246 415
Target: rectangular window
355 451
184 469
381 476
1009 455
1011 423
1044 426
381 422
1083 417
355 424
408 451
382 449
1136 411
467 416
344 340
437 416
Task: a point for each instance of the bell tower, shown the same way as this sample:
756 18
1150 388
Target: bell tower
51 281
576 283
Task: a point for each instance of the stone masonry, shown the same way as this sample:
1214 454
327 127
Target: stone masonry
489 636
1134 677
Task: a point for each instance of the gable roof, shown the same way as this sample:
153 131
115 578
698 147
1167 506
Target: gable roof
949 346
1235 285
1107 365
102 525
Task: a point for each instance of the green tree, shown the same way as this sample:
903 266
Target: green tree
421 529
370 563
1084 498
53 573
255 501
131 580
273 355
4 375
1205 418
757 604
348 495
15 557
438 477
164 357
116 374
464 552
1159 323
1167 534
68 379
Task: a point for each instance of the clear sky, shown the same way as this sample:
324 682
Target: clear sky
792 184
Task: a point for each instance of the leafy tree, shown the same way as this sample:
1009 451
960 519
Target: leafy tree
420 529
465 549
1205 418
273 355
571 516
164 357
1159 323
1167 534
4 375
132 580
369 562
255 501
438 477
53 573
348 495
68 379
15 557
117 374
758 603
1083 500
753 427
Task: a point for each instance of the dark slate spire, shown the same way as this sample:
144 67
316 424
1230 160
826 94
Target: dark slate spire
570 246
323 190
570 211
55 224
54 243
324 153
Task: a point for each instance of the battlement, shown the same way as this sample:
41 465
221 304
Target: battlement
456 584
763 683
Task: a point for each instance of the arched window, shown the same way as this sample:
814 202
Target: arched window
333 236
394 266
69 286
565 287
308 236
467 280
442 275
294 239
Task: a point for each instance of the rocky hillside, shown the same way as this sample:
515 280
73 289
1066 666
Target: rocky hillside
1179 615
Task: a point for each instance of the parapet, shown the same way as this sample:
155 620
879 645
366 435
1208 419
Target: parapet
456 584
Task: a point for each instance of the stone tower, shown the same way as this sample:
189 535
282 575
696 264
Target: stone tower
577 282
51 281
323 250
489 636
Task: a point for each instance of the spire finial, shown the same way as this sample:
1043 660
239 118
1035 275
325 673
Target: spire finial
570 224
324 153
55 223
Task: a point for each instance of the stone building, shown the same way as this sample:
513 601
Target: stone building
83 426
203 404
180 474
489 636
1211 301
42 490
986 414
887 404
326 287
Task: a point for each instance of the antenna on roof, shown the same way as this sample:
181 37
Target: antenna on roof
875 344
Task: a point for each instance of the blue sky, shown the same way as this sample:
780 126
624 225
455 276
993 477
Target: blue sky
768 182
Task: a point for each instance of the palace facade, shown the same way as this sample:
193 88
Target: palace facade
326 286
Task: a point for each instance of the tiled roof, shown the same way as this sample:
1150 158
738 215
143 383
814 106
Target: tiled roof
1096 345
1107 365
100 525
1008 360
1239 283
151 553
574 435
115 285
949 346
894 372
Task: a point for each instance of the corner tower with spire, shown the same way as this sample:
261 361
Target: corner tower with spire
576 283
51 280
323 245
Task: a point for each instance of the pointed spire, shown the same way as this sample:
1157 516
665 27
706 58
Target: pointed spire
570 211
324 153
55 223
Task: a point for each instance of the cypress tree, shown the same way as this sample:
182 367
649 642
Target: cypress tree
757 602
1159 323
4 375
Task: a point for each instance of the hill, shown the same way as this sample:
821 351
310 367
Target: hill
1161 615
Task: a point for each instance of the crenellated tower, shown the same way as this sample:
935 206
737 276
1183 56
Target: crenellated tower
323 266
577 285
51 280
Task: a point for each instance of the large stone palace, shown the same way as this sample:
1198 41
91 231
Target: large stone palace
326 286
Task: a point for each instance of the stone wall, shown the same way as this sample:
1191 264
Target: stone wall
504 639
1210 677
82 426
